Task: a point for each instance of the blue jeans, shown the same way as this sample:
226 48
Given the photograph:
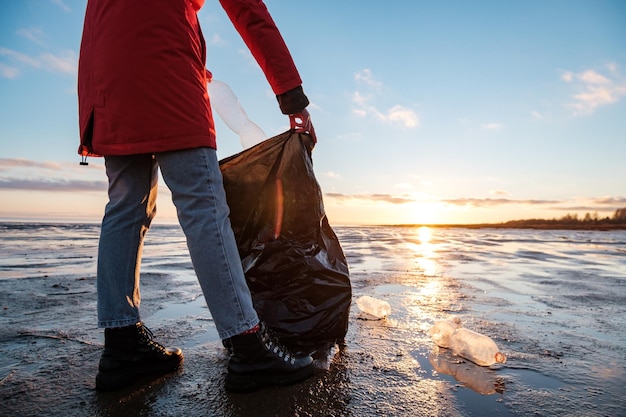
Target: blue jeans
195 180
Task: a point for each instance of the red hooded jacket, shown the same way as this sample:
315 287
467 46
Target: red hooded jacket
141 73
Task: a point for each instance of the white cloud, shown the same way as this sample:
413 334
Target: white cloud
498 192
359 98
35 35
52 184
11 163
536 115
374 198
492 126
19 57
362 103
567 76
247 55
402 115
495 202
593 77
62 5
217 40
8 72
359 112
66 62
367 77
595 89
593 98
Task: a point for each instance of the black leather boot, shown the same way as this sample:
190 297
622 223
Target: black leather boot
258 360
129 353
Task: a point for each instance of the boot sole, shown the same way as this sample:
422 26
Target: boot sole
107 381
253 382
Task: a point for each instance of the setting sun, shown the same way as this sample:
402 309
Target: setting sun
423 212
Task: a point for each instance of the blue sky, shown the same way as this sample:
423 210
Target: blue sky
426 112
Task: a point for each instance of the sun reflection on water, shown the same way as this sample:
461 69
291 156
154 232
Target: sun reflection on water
424 291
425 253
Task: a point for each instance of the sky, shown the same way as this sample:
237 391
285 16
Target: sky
425 111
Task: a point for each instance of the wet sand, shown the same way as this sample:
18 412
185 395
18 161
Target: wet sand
49 336
50 345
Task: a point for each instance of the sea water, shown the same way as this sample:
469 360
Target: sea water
554 301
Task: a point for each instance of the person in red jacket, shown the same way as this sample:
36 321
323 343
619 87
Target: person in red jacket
144 106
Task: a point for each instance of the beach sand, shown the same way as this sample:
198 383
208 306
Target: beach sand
498 283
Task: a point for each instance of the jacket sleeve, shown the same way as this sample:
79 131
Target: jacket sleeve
259 32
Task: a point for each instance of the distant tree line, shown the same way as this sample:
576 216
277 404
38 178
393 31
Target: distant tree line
569 221
572 221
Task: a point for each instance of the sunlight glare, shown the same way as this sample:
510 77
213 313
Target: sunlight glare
424 212
425 234
426 252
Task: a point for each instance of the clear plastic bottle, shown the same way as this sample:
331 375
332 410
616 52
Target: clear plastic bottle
227 106
373 306
442 331
476 347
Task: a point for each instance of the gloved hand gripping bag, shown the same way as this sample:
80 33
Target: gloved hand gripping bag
294 265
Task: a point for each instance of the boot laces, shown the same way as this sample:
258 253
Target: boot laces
273 345
146 337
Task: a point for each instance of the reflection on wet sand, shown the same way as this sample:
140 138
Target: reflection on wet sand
481 379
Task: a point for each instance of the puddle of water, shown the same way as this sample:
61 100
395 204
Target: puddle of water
531 378
394 289
195 308
210 336
366 264
198 311
480 389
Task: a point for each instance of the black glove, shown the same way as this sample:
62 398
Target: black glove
293 101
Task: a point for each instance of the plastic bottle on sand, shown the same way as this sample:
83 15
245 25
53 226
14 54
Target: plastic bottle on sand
373 306
476 347
442 331
227 106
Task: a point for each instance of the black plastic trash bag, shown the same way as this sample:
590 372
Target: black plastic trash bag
293 262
